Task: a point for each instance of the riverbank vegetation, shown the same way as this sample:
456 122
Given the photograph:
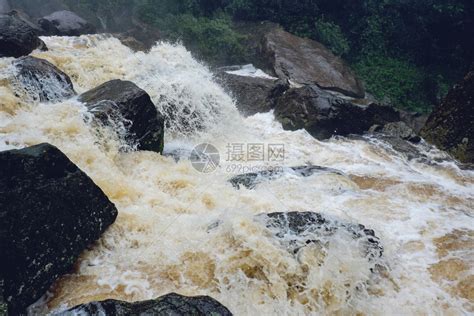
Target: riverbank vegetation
408 52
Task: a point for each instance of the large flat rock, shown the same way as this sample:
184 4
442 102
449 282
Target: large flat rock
308 62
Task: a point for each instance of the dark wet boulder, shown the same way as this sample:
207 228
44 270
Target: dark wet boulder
307 62
140 38
50 211
27 19
65 23
171 304
401 130
251 180
124 99
324 114
451 125
17 38
398 130
416 121
42 81
296 230
253 94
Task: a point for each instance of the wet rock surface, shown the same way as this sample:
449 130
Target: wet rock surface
253 94
43 81
132 104
171 304
27 19
416 121
296 230
308 62
50 211
251 180
17 38
65 23
324 114
451 125
397 130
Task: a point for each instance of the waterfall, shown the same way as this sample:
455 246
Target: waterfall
180 230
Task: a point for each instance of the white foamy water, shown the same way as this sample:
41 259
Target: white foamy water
182 231
250 71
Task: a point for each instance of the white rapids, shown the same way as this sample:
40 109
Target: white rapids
183 231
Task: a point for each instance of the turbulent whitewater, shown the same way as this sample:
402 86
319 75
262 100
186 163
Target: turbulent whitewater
193 233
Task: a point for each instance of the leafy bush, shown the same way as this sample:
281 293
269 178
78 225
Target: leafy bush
432 40
331 35
210 38
394 80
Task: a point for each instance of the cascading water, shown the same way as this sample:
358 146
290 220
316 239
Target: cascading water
183 231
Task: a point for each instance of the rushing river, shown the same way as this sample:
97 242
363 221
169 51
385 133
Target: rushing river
180 230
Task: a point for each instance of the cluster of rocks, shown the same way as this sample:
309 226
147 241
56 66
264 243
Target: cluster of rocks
19 34
251 180
309 88
322 94
297 230
43 195
115 99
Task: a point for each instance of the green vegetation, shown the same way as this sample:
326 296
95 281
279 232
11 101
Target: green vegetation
393 80
330 34
406 51
211 39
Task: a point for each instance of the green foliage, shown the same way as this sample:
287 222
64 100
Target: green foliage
210 38
397 81
330 34
435 36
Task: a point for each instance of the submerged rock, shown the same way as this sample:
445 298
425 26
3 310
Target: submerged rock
171 304
125 99
251 180
308 62
65 23
324 114
451 125
397 130
253 94
17 38
50 211
43 81
296 230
